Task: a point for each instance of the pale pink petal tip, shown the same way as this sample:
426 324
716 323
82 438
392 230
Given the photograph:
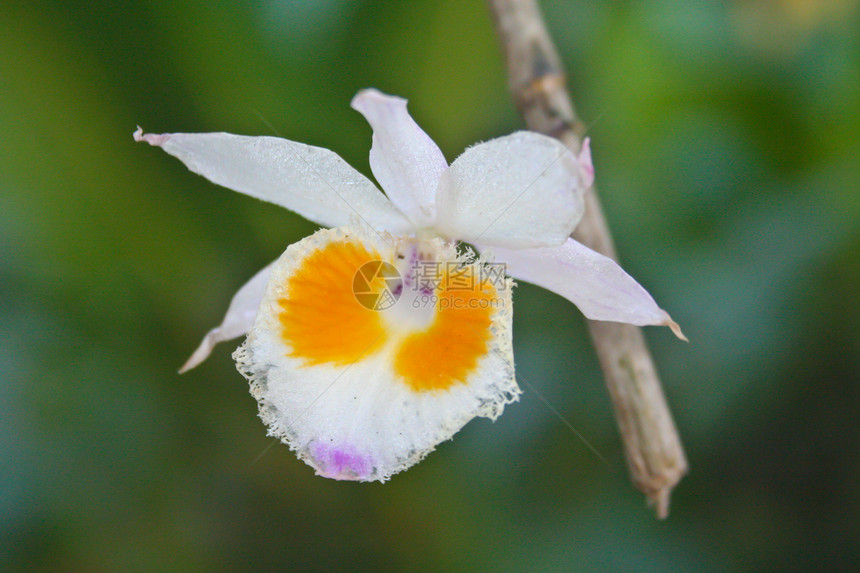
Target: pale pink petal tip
585 163
202 353
676 330
150 138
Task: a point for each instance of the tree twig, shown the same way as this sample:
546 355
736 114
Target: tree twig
652 447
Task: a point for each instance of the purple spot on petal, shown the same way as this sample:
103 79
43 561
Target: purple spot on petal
340 462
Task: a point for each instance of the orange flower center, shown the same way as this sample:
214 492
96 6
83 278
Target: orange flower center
326 321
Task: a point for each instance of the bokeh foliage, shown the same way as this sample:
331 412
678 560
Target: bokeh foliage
725 139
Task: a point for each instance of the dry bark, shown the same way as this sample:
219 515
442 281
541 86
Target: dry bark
652 447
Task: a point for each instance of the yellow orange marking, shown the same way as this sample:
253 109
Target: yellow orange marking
322 320
449 350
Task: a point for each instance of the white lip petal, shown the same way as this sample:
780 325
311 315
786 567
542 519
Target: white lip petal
238 320
327 370
594 283
405 161
314 182
358 423
519 191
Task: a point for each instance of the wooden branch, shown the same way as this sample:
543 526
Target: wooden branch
652 447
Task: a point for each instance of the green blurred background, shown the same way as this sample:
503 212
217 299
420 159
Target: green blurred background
725 138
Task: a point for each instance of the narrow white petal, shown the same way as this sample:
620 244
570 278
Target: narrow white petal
519 191
405 161
314 182
360 394
594 283
238 320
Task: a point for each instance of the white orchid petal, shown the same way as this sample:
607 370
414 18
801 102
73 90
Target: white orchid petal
594 283
238 320
519 191
405 161
314 182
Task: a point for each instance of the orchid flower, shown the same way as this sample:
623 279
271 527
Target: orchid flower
375 339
